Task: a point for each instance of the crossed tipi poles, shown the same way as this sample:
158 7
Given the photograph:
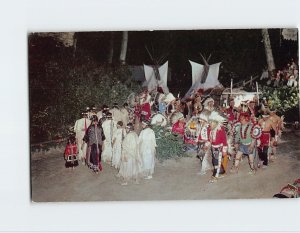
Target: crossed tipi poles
156 75
203 76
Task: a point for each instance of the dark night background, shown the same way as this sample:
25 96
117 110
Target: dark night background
240 51
55 70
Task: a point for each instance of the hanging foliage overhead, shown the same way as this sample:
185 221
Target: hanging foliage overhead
290 34
66 38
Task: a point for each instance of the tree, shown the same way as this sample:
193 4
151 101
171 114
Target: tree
124 47
268 50
111 48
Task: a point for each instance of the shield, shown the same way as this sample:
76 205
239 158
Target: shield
256 132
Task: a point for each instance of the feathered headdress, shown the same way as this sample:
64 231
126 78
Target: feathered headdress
168 98
207 100
215 116
203 116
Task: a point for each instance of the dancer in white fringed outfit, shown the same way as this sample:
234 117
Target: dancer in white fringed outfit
130 166
117 141
108 128
204 144
80 129
147 149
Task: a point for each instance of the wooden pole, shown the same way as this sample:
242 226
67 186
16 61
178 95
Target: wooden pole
257 92
124 47
268 50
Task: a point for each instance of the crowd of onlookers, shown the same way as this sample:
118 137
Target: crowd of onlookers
288 76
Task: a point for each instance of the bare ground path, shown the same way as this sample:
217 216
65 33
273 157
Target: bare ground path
172 180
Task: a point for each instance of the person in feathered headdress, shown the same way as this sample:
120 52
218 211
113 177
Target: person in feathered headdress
203 142
218 141
246 134
208 104
179 125
231 111
169 100
197 105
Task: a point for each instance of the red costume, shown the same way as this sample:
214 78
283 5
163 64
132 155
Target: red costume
230 113
189 141
71 149
137 111
177 128
265 138
71 155
263 148
219 139
146 111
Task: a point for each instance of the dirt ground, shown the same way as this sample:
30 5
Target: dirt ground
172 180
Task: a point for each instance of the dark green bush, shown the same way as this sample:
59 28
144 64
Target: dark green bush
169 145
61 88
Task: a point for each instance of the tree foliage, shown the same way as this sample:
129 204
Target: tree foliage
64 80
62 87
283 98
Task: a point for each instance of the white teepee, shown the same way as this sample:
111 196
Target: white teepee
204 77
154 80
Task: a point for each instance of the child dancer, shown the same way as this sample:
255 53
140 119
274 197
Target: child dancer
71 153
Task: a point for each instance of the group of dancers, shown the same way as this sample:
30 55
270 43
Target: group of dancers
231 131
219 132
108 136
